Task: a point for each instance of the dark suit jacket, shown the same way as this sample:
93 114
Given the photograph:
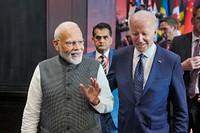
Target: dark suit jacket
184 51
165 80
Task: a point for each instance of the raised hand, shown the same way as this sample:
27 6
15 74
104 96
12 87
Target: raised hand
92 92
191 63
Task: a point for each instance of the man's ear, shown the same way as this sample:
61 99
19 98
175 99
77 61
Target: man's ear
155 32
192 20
55 44
93 39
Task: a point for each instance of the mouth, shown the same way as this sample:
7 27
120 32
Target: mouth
140 44
76 54
164 35
101 46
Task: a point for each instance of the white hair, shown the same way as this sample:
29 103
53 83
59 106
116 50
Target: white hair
143 15
63 27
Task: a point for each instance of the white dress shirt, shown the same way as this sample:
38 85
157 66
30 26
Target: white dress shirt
147 61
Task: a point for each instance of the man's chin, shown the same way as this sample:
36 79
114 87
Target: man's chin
76 61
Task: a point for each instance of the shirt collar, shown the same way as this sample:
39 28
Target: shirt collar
148 54
106 54
194 38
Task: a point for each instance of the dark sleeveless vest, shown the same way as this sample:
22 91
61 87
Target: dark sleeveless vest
64 107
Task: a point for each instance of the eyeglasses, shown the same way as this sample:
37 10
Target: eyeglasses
100 37
72 43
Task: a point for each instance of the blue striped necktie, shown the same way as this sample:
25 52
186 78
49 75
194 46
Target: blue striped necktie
139 78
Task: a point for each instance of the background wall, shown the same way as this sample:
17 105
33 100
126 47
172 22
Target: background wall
100 11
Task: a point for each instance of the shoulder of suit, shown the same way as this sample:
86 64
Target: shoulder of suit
112 50
188 35
89 59
167 53
90 54
125 50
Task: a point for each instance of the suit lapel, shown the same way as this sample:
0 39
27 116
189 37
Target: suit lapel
127 61
158 60
188 45
111 52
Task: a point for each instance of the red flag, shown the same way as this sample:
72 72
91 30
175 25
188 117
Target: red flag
175 11
149 5
189 12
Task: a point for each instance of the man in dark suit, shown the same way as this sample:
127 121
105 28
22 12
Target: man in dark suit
147 77
102 38
185 47
169 29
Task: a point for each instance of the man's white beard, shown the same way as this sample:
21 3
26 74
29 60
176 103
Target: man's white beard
72 60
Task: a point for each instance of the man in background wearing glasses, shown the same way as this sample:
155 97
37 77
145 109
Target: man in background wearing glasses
67 92
102 39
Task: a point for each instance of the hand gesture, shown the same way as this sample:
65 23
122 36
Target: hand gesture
92 92
191 63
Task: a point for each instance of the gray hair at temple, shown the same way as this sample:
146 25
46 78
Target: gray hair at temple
63 27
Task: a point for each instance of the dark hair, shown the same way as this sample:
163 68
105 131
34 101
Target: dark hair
195 11
102 26
170 20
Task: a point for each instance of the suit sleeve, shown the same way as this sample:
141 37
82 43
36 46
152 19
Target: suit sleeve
178 98
112 74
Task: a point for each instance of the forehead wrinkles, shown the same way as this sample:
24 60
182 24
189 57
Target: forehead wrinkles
72 33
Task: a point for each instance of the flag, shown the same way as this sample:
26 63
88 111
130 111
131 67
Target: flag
188 15
175 11
150 5
142 5
155 11
138 3
142 2
155 7
176 14
164 7
181 20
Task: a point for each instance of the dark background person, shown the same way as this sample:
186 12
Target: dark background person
146 76
186 46
58 100
102 39
169 28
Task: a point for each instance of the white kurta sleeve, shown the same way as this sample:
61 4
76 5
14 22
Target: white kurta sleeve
31 113
105 96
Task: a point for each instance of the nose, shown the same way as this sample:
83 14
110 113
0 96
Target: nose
77 45
139 38
102 39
